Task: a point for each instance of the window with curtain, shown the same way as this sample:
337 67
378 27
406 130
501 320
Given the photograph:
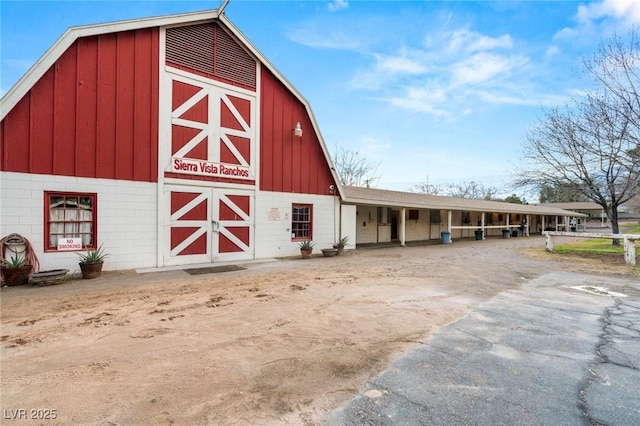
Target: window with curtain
301 222
70 215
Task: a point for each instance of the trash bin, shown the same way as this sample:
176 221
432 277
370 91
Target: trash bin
506 233
445 237
479 234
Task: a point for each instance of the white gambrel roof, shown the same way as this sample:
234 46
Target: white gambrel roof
382 197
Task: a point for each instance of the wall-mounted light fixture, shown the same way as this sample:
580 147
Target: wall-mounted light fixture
297 131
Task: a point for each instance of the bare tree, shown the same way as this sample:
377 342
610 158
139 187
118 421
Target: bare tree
634 204
589 146
615 67
471 190
355 169
428 188
592 145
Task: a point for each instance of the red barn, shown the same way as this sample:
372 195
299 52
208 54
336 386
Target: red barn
169 141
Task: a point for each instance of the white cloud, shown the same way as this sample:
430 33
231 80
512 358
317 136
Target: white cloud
337 5
449 75
596 18
399 65
446 73
335 39
426 100
485 67
552 50
469 42
624 10
516 97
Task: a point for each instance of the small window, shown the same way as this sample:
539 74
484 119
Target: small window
414 214
384 215
302 222
70 215
466 217
434 216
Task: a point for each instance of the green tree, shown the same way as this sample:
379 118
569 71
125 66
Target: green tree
561 194
514 199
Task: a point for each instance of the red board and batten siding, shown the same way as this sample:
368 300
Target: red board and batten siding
289 163
94 113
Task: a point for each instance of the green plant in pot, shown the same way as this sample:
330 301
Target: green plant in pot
15 271
306 248
340 244
91 262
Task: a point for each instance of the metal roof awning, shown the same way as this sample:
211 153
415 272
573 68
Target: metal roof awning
377 197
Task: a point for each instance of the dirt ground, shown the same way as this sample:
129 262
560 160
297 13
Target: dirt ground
281 342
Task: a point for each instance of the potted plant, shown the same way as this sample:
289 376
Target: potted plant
15 271
340 244
306 248
91 262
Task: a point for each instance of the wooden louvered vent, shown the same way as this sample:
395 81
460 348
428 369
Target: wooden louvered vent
208 49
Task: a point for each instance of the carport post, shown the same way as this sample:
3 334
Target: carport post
629 251
403 227
548 242
526 228
482 224
449 218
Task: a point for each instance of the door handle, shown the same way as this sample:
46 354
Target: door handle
215 226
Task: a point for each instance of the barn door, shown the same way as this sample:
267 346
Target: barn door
234 230
204 224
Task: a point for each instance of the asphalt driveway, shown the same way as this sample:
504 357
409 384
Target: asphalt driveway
558 350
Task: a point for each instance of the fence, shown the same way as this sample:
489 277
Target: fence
629 241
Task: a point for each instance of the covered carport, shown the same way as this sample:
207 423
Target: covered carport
378 216
588 209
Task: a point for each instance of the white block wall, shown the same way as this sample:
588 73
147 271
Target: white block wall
418 230
127 217
273 223
366 225
349 215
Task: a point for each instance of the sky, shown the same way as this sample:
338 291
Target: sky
429 91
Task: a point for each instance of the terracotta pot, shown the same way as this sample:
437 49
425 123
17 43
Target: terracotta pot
50 277
17 276
91 270
306 253
329 252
